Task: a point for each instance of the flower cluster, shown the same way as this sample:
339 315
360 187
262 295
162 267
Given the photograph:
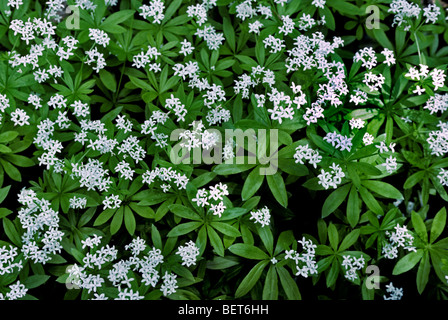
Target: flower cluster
400 238
352 265
339 141
310 155
261 216
8 260
167 176
305 261
16 291
215 195
395 293
120 274
42 237
332 178
189 253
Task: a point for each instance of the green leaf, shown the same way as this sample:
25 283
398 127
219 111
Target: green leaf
353 208
407 262
370 201
334 200
231 213
288 284
419 226
220 263
129 220
35 281
438 225
250 279
226 229
143 211
184 228
4 212
382 39
203 179
104 217
423 273
184 212
116 18
215 241
252 184
349 240
248 251
332 275
333 236
11 232
108 79
117 220
229 33
155 237
266 236
11 171
278 189
227 169
270 289
4 192
413 179
383 189
8 136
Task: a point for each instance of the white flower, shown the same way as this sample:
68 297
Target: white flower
154 10
339 141
169 284
319 3
189 253
19 117
367 139
17 291
389 55
305 152
391 164
395 293
187 48
366 56
261 216
254 27
99 36
332 178
356 123
275 44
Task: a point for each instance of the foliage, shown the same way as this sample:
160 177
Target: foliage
119 178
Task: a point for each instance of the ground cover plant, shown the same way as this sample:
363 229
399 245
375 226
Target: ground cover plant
221 149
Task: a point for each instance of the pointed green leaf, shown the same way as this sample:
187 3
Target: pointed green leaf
335 199
419 226
270 289
383 189
423 273
278 189
288 284
226 229
349 240
353 207
250 279
333 236
438 225
248 251
129 220
407 262
252 184
184 228
184 212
